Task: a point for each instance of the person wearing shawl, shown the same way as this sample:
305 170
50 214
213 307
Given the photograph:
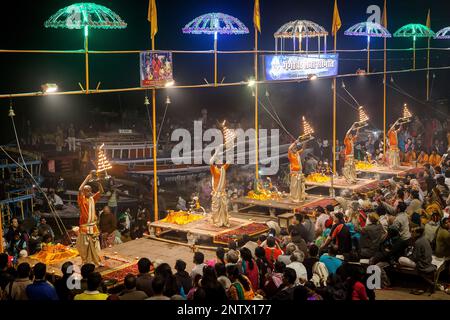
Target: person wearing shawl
349 170
88 243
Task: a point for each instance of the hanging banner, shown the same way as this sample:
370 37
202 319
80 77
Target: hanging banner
300 66
156 68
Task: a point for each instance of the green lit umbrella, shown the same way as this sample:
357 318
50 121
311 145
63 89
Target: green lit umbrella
84 16
414 30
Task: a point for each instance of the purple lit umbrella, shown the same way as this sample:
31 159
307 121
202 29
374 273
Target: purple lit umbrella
369 30
215 24
443 34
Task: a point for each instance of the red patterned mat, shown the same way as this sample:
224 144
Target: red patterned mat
372 186
251 229
320 203
120 274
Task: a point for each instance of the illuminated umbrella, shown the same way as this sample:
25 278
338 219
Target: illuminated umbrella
443 34
369 30
84 16
414 30
300 29
215 24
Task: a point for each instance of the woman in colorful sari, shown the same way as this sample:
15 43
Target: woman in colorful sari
249 268
241 288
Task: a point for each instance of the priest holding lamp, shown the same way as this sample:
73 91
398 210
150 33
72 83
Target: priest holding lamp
297 179
394 151
349 142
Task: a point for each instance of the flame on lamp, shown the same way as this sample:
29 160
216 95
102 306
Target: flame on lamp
406 112
102 162
307 129
362 115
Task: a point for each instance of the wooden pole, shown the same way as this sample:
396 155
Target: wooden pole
2 249
334 113
86 55
384 96
428 69
414 53
155 165
368 54
215 59
256 109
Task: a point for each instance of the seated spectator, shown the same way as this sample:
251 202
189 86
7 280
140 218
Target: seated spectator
274 280
215 292
339 236
40 289
35 241
16 290
288 251
431 227
371 236
249 268
422 254
144 279
443 239
240 288
288 286
199 259
297 258
249 244
130 292
44 228
86 270
184 280
61 285
272 251
221 272
330 261
94 281
16 245
158 288
311 260
108 228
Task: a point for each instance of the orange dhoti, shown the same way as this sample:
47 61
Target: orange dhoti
219 205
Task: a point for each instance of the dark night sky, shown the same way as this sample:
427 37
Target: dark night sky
23 29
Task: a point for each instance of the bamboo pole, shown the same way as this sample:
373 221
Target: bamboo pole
155 164
414 53
368 54
384 96
428 69
215 59
334 114
2 249
256 109
86 52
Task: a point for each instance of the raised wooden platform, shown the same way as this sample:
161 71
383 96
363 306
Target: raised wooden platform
341 183
385 171
204 232
285 205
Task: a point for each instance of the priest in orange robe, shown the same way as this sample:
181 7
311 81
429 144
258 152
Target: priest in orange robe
297 179
219 206
88 242
394 151
349 170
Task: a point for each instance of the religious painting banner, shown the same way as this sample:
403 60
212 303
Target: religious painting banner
156 68
300 66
